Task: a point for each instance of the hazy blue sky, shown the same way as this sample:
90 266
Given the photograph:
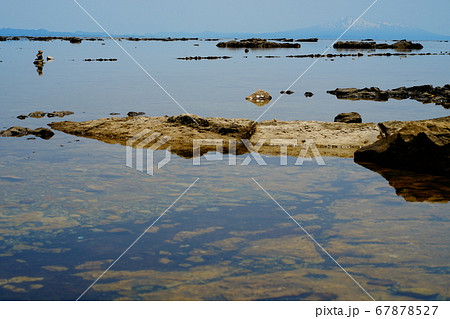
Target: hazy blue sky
149 16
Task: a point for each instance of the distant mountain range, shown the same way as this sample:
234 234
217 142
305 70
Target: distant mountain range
362 29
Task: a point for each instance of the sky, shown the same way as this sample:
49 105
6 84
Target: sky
151 16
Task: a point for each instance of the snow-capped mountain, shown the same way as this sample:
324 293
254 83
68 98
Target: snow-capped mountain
361 28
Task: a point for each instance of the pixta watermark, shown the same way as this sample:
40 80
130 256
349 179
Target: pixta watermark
140 150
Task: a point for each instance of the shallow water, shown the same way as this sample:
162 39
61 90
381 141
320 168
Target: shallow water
69 206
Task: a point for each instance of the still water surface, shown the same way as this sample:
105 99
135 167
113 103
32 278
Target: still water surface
69 206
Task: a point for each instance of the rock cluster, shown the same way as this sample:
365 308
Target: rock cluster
399 45
256 43
41 114
423 93
19 131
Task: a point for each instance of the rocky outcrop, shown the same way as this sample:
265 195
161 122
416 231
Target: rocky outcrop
421 146
399 45
18 131
422 93
260 98
256 43
351 117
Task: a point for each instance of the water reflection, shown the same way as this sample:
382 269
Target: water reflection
39 63
415 187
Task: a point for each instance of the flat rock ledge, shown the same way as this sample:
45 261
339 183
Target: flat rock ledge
421 146
268 137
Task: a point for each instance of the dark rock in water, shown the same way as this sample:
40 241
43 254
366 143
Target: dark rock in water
189 120
114 113
407 45
289 92
351 117
256 43
2 38
421 146
422 93
246 50
372 93
399 45
15 131
42 132
59 113
101 60
37 114
131 114
309 94
22 117
74 40
307 40
205 57
18 131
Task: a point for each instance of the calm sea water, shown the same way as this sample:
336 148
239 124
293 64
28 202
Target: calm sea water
69 206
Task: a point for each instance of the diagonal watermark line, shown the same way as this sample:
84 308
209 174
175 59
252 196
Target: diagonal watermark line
312 238
134 60
137 239
317 59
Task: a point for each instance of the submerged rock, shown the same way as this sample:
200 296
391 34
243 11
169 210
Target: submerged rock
421 146
37 114
22 117
59 113
351 117
309 94
205 57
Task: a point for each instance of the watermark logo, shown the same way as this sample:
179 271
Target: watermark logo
143 161
149 141
307 147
